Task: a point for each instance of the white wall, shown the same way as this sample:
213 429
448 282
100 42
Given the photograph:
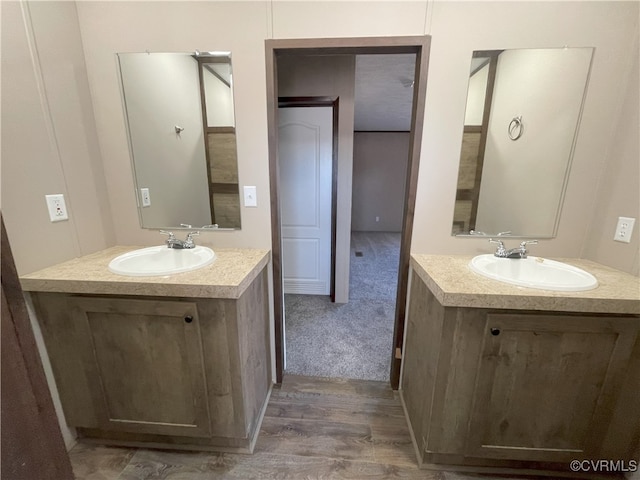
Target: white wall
379 175
49 142
618 193
343 18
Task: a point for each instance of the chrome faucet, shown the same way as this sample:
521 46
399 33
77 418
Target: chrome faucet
519 252
173 242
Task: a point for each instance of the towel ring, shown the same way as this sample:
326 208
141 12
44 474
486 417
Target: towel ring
516 128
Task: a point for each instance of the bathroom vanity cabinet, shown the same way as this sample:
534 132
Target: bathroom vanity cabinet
168 371
499 378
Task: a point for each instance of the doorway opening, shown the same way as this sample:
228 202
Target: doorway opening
281 49
347 340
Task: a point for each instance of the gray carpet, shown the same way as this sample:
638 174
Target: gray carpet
352 340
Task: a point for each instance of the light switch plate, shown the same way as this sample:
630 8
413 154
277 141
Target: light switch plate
57 208
624 229
250 197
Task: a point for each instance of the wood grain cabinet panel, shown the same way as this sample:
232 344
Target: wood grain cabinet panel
510 390
547 385
158 371
144 362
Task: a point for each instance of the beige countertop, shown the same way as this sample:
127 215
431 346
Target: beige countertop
454 285
227 277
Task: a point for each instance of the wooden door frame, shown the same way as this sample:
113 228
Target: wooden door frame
334 103
418 45
23 423
214 187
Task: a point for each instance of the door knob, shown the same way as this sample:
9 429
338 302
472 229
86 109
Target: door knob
495 331
188 319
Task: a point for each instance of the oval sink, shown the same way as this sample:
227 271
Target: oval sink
534 272
155 261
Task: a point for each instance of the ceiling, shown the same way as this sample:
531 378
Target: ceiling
384 92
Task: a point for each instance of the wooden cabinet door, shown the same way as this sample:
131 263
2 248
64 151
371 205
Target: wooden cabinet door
547 384
143 362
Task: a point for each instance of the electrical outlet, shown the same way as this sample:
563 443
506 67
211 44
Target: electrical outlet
250 197
146 197
57 208
624 229
377 219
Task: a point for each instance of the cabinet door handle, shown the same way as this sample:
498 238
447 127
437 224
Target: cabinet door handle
188 319
495 331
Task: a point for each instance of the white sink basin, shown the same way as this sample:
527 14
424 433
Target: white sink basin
155 261
534 272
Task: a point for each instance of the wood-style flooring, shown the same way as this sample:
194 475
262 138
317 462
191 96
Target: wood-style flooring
313 428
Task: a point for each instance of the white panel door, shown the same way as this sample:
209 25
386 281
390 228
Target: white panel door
305 162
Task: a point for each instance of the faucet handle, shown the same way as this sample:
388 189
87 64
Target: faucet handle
500 251
171 240
188 242
528 242
523 247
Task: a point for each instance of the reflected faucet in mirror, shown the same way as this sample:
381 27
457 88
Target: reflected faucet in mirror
181 128
508 179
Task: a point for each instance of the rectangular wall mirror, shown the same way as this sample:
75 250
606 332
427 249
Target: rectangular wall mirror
521 120
181 128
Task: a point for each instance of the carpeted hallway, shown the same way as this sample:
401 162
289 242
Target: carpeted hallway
350 340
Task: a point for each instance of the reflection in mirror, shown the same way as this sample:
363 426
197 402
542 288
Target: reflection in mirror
521 121
181 128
